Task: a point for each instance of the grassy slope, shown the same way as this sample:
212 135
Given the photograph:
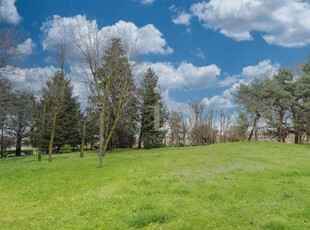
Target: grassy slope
227 186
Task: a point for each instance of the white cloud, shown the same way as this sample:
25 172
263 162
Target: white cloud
31 79
199 53
182 18
228 81
147 2
185 76
143 40
225 100
263 69
148 39
63 30
218 102
282 22
8 12
26 48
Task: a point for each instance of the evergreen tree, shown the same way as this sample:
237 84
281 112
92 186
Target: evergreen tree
62 113
126 130
277 99
68 122
302 92
153 112
121 105
250 98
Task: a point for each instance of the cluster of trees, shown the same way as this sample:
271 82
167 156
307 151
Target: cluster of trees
116 113
14 118
204 127
122 112
279 105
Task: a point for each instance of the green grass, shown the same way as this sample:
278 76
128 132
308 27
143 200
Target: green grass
226 186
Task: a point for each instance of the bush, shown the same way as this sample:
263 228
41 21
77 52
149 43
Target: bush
66 149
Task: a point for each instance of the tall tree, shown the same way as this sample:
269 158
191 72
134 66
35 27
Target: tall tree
250 98
89 125
67 126
20 119
303 95
175 124
153 112
6 100
179 128
53 98
127 128
10 53
118 88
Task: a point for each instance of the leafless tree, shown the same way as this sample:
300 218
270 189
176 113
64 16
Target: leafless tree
224 125
91 45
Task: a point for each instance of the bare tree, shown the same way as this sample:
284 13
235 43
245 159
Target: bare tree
178 128
224 125
19 119
6 96
196 121
104 69
39 124
10 48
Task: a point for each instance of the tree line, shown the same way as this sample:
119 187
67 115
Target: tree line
122 111
278 106
117 112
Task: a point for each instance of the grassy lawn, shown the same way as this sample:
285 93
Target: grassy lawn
226 186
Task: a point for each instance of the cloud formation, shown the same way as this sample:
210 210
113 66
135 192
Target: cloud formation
182 18
26 48
31 79
281 22
8 12
264 68
185 76
148 39
79 31
225 100
147 2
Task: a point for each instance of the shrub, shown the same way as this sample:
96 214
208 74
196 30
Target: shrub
66 149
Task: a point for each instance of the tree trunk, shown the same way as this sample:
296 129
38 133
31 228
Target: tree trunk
254 127
2 140
101 137
280 128
18 145
50 147
296 141
140 138
83 138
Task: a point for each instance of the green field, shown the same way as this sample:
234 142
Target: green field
226 186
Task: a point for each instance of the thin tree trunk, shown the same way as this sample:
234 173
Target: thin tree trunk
50 147
101 151
254 127
2 140
83 138
140 137
280 128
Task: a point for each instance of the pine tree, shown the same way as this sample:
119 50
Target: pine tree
62 114
302 92
68 122
153 112
121 105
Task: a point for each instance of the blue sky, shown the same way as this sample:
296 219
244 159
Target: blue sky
199 49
